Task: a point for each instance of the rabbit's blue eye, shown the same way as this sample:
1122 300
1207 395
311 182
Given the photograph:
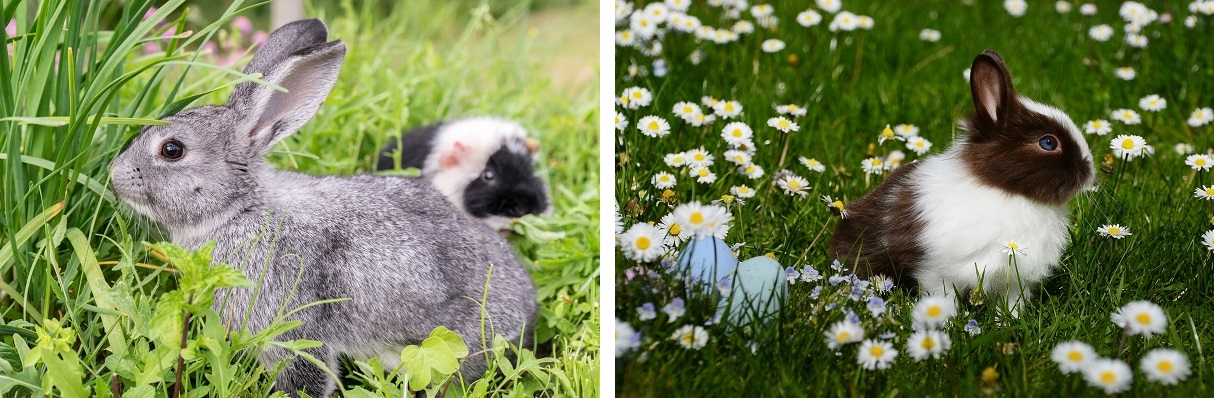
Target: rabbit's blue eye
488 175
172 149
1048 143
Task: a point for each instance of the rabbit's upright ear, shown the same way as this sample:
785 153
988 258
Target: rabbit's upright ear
991 85
298 58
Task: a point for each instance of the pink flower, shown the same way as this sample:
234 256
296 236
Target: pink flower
259 37
148 14
243 24
151 47
171 31
11 29
209 48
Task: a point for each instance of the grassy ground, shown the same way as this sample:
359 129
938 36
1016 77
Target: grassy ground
72 258
854 84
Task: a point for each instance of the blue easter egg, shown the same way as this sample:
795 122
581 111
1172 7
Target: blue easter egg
757 293
707 259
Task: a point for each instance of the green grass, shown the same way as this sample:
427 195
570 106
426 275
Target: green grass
75 267
854 84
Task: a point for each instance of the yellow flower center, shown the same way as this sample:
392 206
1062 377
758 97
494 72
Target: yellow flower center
1075 356
919 144
1143 318
877 351
934 311
928 343
696 218
642 243
838 204
1200 162
1013 245
876 163
782 123
1114 231
812 162
1127 144
638 95
1127 115
728 107
739 158
743 191
689 338
843 337
1097 124
793 185
750 170
1108 377
624 99
699 157
653 125
686 109
678 159
703 173
792 108
737 133
1210 191
1164 366
675 229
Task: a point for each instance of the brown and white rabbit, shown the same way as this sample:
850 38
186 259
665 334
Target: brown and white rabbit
942 223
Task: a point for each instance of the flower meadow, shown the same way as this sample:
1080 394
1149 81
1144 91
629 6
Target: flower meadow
744 130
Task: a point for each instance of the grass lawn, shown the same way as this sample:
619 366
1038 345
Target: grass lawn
854 84
81 292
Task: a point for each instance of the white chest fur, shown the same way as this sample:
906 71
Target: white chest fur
966 226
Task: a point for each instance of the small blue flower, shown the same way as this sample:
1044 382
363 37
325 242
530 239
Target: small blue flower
837 266
809 274
792 274
886 335
972 328
876 306
852 317
647 312
675 309
836 280
724 286
817 292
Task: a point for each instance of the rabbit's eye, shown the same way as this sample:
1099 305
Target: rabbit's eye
488 175
1048 143
172 149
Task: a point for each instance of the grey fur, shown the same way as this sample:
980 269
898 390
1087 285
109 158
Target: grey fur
406 257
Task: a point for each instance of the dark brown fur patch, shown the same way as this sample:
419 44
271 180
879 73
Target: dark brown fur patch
879 235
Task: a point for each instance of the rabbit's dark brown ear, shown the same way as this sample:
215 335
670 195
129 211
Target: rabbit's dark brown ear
991 85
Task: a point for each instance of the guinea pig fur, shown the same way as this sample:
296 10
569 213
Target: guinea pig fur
942 223
484 165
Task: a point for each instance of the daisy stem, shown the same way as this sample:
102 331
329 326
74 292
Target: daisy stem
784 153
1125 334
819 235
855 77
1120 170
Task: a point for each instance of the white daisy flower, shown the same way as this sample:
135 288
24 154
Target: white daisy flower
1136 40
783 124
753 171
1128 146
653 126
622 10
1208 239
742 191
657 11
809 18
1199 161
676 160
1111 375
625 38
1190 21
743 26
1098 127
1206 192
678 5
635 98
1153 103
1200 117
1126 73
737 157
772 45
703 220
919 145
700 119
831 6
864 22
652 49
924 344
686 23
1115 231
929 35
1062 7
873 165
642 243
876 354
1087 9
1165 366
685 110
812 164
843 333
691 337
762 10
1013 248
894 159
835 206
736 132
1100 32
794 185
709 101
1183 149
1015 8
621 122
626 338
643 25
844 21
888 134
664 180
1141 318
699 158
906 130
674 234
702 174
933 311
792 110
727 109
1072 356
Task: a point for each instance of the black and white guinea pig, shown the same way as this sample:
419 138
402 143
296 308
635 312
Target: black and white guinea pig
484 165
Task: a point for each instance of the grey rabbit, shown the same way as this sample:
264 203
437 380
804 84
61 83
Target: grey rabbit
408 260
484 165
